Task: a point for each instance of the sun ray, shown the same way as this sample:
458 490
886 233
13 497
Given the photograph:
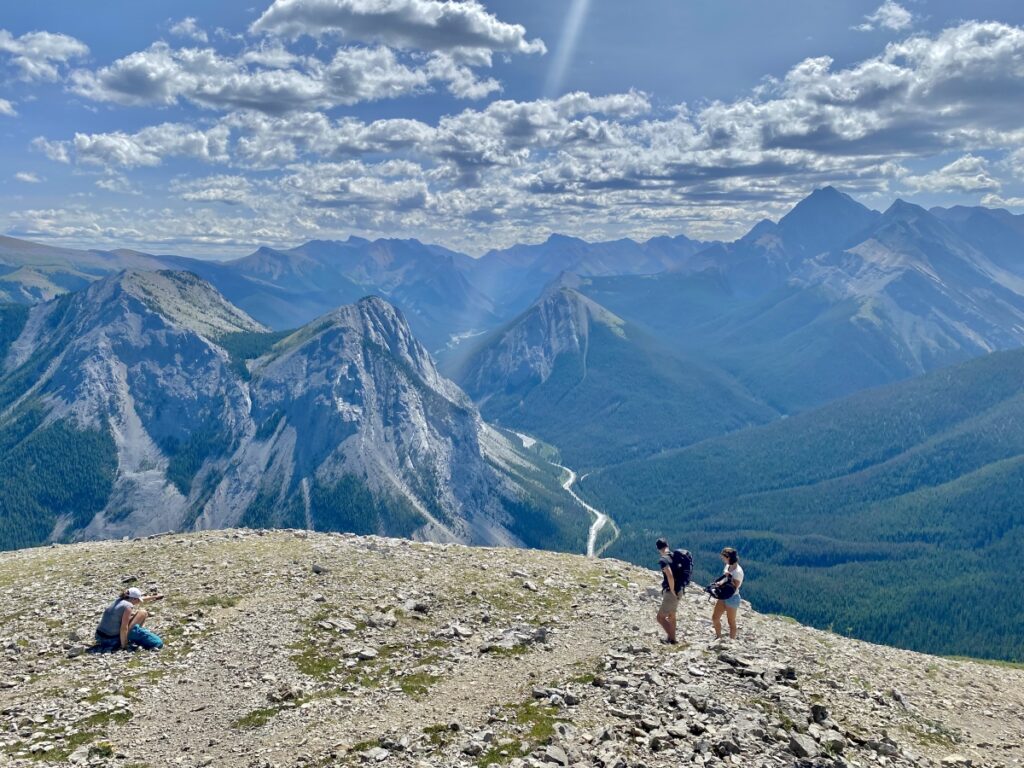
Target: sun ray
566 47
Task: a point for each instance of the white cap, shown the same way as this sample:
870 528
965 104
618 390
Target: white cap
134 593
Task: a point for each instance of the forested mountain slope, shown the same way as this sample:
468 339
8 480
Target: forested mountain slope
600 389
911 491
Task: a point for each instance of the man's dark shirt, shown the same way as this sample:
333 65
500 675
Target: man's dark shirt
665 561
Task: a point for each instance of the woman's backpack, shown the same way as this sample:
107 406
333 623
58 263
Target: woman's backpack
721 588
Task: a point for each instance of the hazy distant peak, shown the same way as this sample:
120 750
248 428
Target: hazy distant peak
901 209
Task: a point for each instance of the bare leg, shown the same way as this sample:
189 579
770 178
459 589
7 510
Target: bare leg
668 623
716 618
731 614
139 618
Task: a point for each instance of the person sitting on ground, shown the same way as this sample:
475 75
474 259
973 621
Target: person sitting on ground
669 592
122 622
729 607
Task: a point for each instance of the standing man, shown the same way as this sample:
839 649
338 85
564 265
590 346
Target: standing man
669 592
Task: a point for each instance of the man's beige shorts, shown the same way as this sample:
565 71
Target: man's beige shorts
669 602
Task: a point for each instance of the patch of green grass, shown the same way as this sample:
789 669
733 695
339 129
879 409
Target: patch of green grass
438 734
58 754
498 755
102 749
219 601
313 662
255 719
990 662
932 733
362 746
515 650
417 684
101 719
538 719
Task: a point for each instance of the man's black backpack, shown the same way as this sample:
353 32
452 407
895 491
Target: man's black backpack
682 567
721 588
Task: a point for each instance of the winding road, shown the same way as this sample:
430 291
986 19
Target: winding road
600 518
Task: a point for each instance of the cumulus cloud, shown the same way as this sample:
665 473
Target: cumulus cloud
189 28
270 79
150 146
28 177
54 150
482 176
424 25
228 189
966 174
7 108
119 184
889 15
38 55
997 201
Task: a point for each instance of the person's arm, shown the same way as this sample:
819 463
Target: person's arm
736 581
669 578
126 622
151 598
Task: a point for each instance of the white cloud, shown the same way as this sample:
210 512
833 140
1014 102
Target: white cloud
118 183
271 79
424 25
966 174
38 55
232 190
189 28
889 15
997 201
7 108
502 172
28 177
150 146
54 150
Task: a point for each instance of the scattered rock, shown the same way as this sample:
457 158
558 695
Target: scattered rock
803 746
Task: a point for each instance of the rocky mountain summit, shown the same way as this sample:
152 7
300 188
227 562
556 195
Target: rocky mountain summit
291 648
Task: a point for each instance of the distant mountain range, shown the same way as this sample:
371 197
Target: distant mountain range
446 295
831 299
838 393
147 402
801 317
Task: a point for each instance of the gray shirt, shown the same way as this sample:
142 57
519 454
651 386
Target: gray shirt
110 624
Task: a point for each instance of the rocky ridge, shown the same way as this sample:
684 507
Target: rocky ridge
291 648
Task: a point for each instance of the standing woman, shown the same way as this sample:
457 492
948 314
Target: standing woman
122 622
729 607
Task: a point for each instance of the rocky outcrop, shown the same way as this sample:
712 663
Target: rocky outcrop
291 648
525 352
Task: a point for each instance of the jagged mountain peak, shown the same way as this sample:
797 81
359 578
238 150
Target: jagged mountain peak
564 300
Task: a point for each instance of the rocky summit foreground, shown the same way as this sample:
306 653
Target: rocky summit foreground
301 649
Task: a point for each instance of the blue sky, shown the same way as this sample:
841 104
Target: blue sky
207 129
